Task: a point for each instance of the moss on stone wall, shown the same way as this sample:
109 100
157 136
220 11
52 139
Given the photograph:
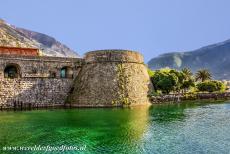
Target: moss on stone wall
111 78
122 81
105 78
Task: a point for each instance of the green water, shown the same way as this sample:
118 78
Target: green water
188 128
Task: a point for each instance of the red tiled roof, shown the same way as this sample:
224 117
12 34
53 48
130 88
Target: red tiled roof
19 51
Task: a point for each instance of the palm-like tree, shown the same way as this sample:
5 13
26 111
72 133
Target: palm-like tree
187 73
203 75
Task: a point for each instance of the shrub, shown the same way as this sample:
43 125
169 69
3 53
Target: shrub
150 72
211 86
155 93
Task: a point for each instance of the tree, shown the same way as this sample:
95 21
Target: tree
187 73
187 84
181 79
167 80
164 80
203 75
188 79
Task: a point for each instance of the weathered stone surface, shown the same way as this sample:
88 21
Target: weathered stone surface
35 85
111 78
34 66
39 92
102 78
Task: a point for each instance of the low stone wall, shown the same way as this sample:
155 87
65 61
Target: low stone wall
183 97
34 92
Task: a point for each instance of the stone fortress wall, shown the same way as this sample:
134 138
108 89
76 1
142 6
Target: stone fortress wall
101 78
111 78
39 82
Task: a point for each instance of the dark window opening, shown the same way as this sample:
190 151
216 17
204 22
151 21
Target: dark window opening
11 72
66 72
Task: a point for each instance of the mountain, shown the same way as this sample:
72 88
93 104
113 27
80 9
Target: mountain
215 57
18 37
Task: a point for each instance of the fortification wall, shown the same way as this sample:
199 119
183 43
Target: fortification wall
39 82
43 67
111 78
103 78
35 91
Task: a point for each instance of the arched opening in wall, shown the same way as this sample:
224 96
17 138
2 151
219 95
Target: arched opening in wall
12 71
66 72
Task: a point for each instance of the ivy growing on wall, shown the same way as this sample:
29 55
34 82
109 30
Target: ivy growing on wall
122 80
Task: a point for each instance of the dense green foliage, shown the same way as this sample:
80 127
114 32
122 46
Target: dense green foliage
170 80
203 75
150 72
187 73
167 80
211 86
164 81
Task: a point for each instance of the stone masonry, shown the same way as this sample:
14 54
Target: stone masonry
111 78
39 82
100 79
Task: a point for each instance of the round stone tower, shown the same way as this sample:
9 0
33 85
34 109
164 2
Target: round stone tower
111 78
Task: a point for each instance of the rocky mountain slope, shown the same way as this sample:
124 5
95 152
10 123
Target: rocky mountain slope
19 37
215 57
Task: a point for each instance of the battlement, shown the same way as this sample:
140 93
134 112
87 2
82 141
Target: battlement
125 56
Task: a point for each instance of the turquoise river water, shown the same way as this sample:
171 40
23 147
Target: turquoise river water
179 128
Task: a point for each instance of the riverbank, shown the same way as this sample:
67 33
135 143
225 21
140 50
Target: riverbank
20 106
161 99
177 98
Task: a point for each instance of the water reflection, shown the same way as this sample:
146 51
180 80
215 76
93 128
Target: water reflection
101 130
173 128
161 113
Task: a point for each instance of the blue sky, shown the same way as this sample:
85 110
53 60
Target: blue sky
152 27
